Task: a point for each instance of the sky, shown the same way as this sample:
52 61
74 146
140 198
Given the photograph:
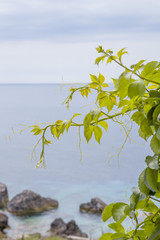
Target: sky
49 41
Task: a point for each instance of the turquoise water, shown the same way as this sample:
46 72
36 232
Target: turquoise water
65 178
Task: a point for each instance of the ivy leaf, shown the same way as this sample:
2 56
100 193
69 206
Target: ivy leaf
97 133
107 212
120 211
136 88
155 145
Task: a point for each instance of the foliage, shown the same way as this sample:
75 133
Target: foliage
136 93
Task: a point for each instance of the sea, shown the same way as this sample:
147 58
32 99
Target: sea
66 177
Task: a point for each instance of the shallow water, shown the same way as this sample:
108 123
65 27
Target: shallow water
65 178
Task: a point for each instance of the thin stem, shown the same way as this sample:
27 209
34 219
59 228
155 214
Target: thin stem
154 199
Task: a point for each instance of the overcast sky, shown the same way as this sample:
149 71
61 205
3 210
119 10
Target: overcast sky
54 41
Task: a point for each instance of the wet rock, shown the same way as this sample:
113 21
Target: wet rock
29 202
3 195
95 206
59 227
3 221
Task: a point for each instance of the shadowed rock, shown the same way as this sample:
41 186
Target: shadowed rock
3 221
29 202
59 227
95 206
3 195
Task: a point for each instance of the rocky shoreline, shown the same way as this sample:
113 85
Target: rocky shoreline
28 203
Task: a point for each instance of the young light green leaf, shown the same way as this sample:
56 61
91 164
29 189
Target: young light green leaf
121 53
107 212
106 236
101 78
97 133
117 227
103 124
88 131
148 68
94 78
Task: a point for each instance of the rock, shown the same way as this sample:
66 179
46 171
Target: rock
3 195
59 227
3 221
95 206
29 202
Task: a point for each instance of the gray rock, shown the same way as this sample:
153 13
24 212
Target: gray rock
59 227
3 221
95 206
3 195
29 202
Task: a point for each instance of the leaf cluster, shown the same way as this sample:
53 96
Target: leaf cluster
135 93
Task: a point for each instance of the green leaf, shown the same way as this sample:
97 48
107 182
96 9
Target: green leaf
154 93
101 78
155 145
103 124
121 53
87 120
123 84
88 131
158 133
156 234
117 227
152 162
138 117
94 78
145 129
97 133
156 114
138 65
107 212
150 179
141 184
120 211
148 68
106 236
136 88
